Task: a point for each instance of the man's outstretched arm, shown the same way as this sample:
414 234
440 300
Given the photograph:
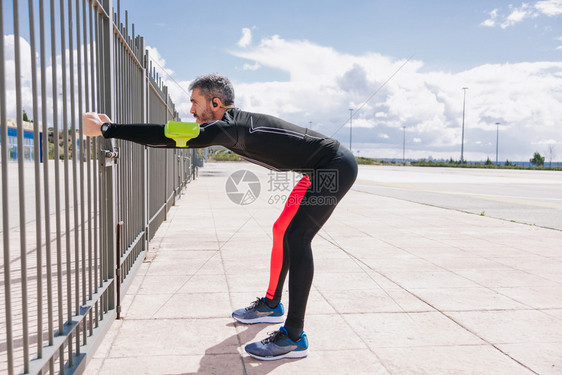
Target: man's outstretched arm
173 134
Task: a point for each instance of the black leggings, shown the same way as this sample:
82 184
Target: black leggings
308 207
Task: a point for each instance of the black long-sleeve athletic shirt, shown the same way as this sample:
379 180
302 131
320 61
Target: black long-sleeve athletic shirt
262 139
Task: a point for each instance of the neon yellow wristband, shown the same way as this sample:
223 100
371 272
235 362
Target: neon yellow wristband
181 132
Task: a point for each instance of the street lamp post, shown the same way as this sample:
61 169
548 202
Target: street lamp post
497 140
463 108
350 126
404 146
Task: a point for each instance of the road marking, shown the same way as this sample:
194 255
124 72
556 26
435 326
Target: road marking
546 202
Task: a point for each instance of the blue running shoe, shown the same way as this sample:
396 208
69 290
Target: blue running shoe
278 346
259 312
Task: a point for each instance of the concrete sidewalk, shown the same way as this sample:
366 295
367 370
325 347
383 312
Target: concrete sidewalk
399 288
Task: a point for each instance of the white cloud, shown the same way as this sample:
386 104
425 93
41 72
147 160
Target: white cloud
549 7
299 57
547 142
158 62
178 90
488 23
324 83
361 123
246 38
491 22
26 85
10 75
181 97
254 66
516 15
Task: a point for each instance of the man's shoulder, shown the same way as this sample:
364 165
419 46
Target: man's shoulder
236 116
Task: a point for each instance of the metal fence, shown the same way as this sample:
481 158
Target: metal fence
75 228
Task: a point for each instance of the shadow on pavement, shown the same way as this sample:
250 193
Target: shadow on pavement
213 362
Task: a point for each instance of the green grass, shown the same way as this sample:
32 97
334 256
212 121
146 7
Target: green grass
224 155
451 164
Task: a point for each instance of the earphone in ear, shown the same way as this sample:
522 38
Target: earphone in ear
215 104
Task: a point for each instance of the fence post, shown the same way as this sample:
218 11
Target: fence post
109 178
167 156
5 218
144 119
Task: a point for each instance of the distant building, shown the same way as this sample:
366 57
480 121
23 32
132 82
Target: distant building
28 143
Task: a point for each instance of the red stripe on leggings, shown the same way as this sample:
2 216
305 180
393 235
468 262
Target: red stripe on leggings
279 228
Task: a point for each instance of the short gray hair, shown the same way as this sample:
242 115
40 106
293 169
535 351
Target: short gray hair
214 85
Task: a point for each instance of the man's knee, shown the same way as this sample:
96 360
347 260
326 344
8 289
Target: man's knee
298 237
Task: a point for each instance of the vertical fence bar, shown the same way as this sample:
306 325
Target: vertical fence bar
98 57
88 152
99 108
68 243
74 166
57 180
144 118
37 157
82 160
5 202
67 260
75 193
109 173
166 169
95 235
21 180
48 260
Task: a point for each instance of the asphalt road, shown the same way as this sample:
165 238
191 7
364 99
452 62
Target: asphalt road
524 196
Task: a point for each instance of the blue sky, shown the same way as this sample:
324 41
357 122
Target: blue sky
445 35
309 62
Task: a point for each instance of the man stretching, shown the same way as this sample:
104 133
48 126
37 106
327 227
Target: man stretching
328 168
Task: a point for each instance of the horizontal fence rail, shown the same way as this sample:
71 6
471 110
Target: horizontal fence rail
77 212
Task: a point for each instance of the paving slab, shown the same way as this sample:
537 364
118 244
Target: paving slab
399 288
